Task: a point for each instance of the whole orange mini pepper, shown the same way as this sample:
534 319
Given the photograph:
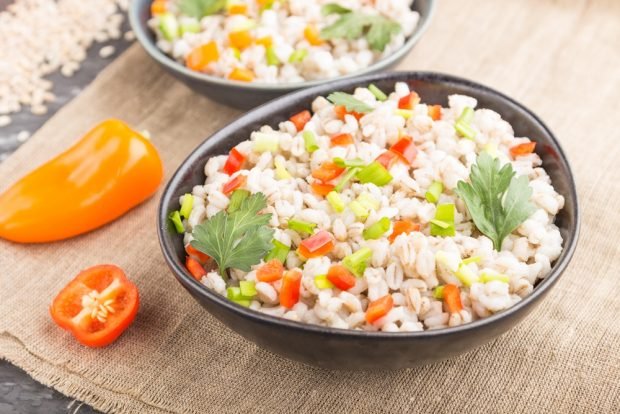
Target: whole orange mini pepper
105 174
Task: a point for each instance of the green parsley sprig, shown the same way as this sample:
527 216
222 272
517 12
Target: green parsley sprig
239 239
351 103
497 201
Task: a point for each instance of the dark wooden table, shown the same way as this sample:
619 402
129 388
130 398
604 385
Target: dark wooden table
19 393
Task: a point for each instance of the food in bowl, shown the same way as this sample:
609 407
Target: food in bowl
272 41
375 212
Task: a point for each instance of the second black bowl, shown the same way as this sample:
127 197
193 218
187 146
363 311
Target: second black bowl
350 349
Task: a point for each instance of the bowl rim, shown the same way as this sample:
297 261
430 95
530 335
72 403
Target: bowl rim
154 52
197 288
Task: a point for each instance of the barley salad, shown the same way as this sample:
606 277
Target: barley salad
280 41
375 212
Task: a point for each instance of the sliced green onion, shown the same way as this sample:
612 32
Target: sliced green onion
298 56
175 217
186 205
236 198
368 201
359 210
233 293
377 92
335 201
434 191
357 262
281 172
472 259
279 251
467 276
438 292
466 116
486 277
443 223
377 230
272 58
248 288
301 226
310 141
190 26
322 282
169 26
264 142
355 162
405 113
236 53
345 179
374 173
462 124
243 302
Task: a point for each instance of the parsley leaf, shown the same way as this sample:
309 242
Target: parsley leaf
334 8
497 201
350 102
236 240
377 29
201 8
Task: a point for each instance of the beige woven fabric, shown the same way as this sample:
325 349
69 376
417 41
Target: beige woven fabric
561 58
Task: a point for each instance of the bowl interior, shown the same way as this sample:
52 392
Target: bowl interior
434 89
139 14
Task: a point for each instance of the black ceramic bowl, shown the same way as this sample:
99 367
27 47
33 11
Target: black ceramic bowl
350 349
249 95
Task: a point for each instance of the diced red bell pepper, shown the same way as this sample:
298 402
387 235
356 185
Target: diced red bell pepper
434 111
196 254
342 140
523 149
409 101
317 245
387 159
327 171
452 298
379 308
341 111
402 226
291 285
195 268
322 189
301 119
405 149
341 277
232 185
270 271
234 162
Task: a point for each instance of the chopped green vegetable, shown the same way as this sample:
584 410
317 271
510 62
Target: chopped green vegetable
345 179
467 276
355 162
377 29
351 103
322 282
272 58
233 293
236 53
175 217
301 226
264 142
169 26
236 198
357 262
462 124
333 8
335 201
368 201
472 259
498 202
374 173
378 93
377 230
186 205
236 240
434 191
281 171
405 113
310 141
190 26
279 251
248 288
443 223
298 56
438 292
201 8
486 277
359 210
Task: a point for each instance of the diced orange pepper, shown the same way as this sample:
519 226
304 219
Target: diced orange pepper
523 149
240 39
434 111
195 268
291 285
270 271
196 254
199 58
341 277
321 251
452 298
241 75
159 7
402 227
379 308
238 8
301 119
342 140
327 171
265 41
322 189
313 36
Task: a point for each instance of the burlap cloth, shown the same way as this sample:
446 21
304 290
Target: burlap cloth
560 58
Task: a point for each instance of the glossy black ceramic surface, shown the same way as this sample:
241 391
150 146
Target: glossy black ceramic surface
249 95
349 349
